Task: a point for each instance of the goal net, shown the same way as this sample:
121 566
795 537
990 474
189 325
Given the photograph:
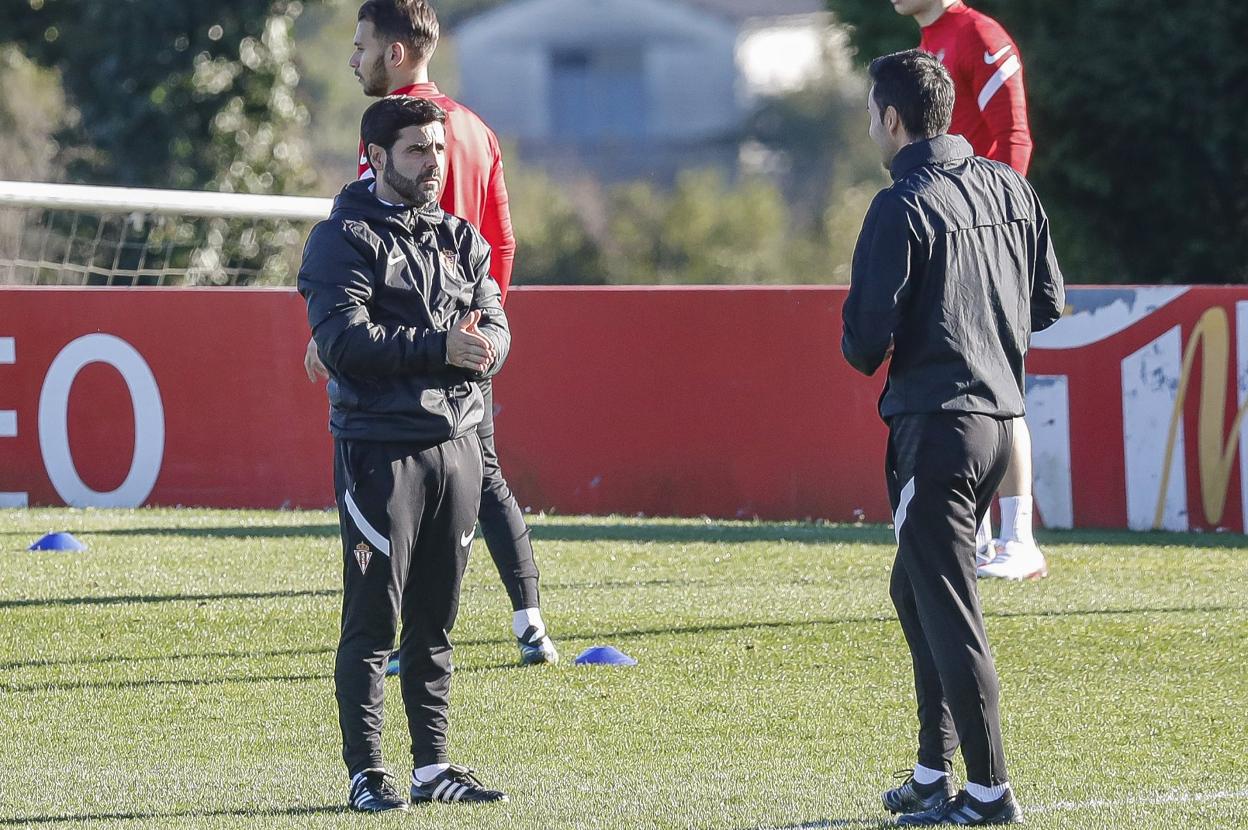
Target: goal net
56 234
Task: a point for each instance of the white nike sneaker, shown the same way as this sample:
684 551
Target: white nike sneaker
1016 560
987 551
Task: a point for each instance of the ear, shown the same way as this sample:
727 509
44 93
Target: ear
376 157
397 54
891 119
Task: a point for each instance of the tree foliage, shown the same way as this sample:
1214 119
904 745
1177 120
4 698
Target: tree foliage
183 95
1136 112
32 112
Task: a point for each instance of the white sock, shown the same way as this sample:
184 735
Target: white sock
981 793
983 533
425 774
525 617
1016 519
927 775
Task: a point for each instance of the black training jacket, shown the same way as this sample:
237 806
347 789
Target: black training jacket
383 286
955 269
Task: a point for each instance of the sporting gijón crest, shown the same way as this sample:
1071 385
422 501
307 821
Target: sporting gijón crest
363 555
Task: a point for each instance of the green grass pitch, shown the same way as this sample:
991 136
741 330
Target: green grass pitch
178 674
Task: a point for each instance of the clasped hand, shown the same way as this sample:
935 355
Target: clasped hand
467 347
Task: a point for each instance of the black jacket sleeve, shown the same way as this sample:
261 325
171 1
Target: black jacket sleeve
487 297
335 280
1048 294
880 282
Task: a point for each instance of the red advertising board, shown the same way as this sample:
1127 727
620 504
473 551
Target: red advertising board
726 402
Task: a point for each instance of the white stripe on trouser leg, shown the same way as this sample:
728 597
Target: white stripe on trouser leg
370 533
899 518
1007 71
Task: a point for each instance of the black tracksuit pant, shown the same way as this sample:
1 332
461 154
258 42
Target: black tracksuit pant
942 471
407 516
502 522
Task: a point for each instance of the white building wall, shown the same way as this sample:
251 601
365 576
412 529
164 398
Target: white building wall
688 59
506 86
693 89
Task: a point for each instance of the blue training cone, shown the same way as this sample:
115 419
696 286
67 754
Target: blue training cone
603 656
58 541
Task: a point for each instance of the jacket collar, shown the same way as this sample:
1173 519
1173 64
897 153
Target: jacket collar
942 149
358 199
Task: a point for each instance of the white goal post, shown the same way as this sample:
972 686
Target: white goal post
62 234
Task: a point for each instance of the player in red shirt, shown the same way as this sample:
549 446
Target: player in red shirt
475 189
990 111
990 105
394 40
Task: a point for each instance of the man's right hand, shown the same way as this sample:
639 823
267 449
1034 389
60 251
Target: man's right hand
312 363
468 348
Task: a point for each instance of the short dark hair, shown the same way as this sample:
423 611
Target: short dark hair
413 23
383 121
917 85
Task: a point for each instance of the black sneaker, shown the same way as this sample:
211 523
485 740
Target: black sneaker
963 809
913 797
453 784
373 791
535 650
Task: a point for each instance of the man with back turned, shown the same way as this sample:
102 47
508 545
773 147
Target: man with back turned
953 271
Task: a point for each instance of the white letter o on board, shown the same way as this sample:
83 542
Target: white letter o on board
149 422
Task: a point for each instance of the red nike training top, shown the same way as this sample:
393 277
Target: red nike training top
474 188
990 108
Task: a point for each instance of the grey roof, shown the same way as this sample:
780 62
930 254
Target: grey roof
741 10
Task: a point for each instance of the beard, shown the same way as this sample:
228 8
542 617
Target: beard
374 81
411 190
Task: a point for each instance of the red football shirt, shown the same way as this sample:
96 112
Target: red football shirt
474 188
990 108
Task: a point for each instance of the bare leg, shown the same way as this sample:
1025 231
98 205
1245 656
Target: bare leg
1017 556
1017 481
1015 491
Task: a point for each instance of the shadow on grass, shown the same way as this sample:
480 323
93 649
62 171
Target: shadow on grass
78 685
566 637
829 823
715 532
145 599
89 817
827 534
155 599
711 532
553 530
879 619
96 660
225 531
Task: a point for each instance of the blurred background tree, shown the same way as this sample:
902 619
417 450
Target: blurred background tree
33 111
792 216
182 95
1139 153
1136 112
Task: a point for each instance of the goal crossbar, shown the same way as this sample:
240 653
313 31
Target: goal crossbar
162 202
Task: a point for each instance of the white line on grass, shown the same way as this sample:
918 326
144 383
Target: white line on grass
1057 806
1139 801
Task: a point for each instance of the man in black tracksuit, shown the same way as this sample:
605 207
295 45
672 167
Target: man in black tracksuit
953 271
408 323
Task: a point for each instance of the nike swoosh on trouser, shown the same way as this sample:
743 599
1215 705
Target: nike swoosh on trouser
903 505
362 524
